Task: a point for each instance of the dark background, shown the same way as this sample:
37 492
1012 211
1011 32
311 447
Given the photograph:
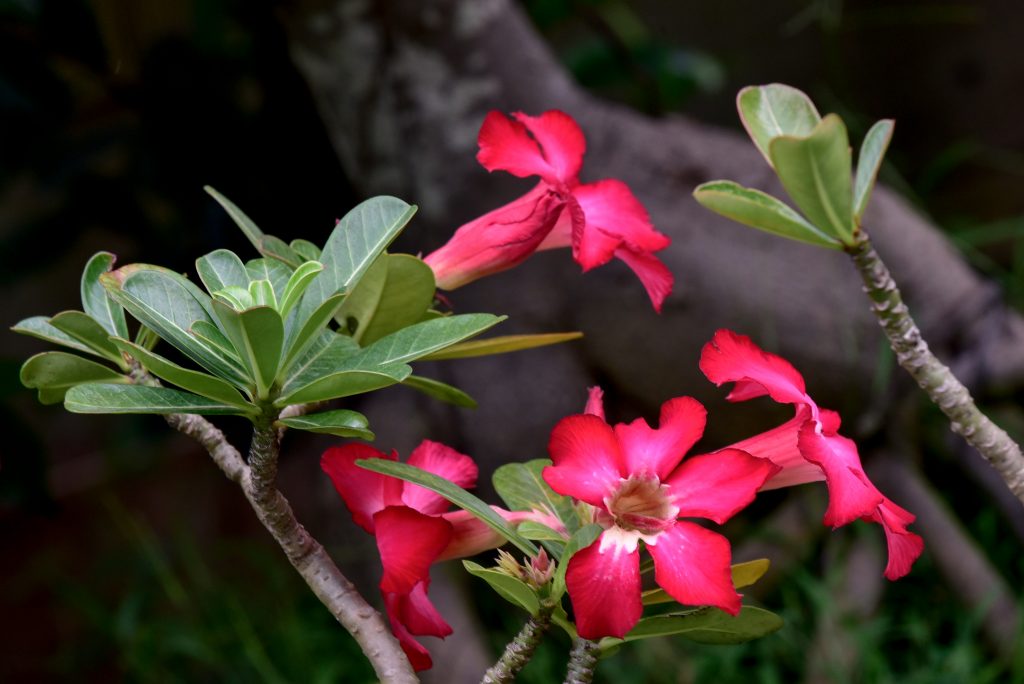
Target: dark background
126 556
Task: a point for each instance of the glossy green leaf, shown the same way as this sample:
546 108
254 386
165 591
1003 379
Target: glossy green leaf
86 330
95 301
247 225
760 210
540 532
56 372
407 294
440 391
40 328
346 383
305 249
341 423
325 353
297 284
458 496
872 151
171 306
220 269
301 337
501 345
515 591
95 398
278 249
363 298
262 293
522 487
709 626
773 110
815 171
580 539
211 335
238 298
358 239
422 339
198 383
743 575
268 269
257 334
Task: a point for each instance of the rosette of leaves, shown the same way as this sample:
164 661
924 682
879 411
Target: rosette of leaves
298 325
811 156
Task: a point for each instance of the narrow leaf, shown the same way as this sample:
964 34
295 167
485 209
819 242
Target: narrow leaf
40 328
220 269
872 151
772 110
515 591
709 626
56 372
306 249
95 301
440 391
86 330
522 487
540 532
95 398
457 495
346 383
815 170
297 284
278 249
423 339
341 423
300 338
501 345
760 210
268 269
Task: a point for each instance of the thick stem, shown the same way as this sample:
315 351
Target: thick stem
519 651
937 380
582 662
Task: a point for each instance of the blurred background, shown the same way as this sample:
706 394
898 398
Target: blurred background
127 556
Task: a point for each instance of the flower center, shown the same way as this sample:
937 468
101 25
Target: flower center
643 504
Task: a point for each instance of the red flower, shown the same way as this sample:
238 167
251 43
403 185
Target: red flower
808 447
413 531
598 220
632 475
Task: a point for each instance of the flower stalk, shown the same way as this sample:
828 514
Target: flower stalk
934 377
519 651
582 662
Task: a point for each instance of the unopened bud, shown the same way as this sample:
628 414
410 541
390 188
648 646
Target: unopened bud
540 570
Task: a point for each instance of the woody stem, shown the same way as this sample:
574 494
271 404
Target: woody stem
519 651
582 662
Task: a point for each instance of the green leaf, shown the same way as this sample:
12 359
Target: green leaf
257 334
515 591
362 300
299 338
770 111
211 335
238 298
171 306
422 339
262 293
743 575
440 391
540 532
816 173
53 373
342 423
323 356
457 495
40 328
297 284
872 151
185 378
501 345
95 301
345 383
276 248
760 210
407 293
220 269
267 269
522 487
86 330
250 229
306 249
709 626
580 539
95 398
355 243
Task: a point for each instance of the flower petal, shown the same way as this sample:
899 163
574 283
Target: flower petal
904 546
443 461
471 536
719 485
506 145
414 650
586 459
418 614
498 240
692 565
614 216
408 542
645 450
730 357
605 590
363 491
561 142
595 402
654 275
851 494
779 445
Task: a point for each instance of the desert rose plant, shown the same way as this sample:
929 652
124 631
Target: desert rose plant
278 339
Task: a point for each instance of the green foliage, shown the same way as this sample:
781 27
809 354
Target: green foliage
440 391
109 398
54 373
872 151
774 110
705 626
500 345
340 423
522 487
513 590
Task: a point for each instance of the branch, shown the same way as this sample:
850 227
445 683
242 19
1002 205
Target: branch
934 377
203 431
519 651
582 662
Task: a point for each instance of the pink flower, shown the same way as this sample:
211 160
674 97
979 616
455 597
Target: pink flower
412 530
598 220
808 447
632 475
